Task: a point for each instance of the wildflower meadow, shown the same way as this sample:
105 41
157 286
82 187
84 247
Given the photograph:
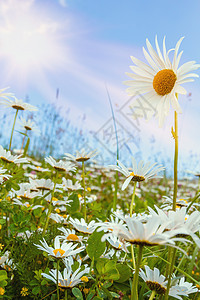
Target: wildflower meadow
73 229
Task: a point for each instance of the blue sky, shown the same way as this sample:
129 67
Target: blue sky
81 46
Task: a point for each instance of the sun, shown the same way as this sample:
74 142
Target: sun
26 43
29 40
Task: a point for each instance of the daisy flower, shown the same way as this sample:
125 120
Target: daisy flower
139 172
42 184
6 156
59 250
179 203
150 233
189 288
82 226
81 155
179 222
158 283
28 125
59 219
18 104
3 176
68 185
69 278
154 280
161 79
70 235
60 165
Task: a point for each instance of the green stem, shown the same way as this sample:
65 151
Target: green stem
191 265
116 189
83 175
11 137
133 198
131 213
50 206
170 272
65 294
134 290
175 159
25 134
58 296
152 295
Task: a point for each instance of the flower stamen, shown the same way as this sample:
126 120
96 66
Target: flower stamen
164 82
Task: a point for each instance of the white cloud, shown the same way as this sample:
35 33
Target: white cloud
63 3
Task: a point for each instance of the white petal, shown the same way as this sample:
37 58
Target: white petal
175 104
140 72
176 52
150 60
180 90
154 55
142 65
126 182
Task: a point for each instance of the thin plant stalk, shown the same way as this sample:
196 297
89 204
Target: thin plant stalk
133 198
58 295
152 295
25 134
84 197
117 143
11 136
175 159
131 213
116 190
170 272
50 206
134 290
65 294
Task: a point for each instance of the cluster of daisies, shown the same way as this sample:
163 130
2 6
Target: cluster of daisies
160 81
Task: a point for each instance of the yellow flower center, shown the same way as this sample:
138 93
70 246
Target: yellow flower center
132 174
72 237
84 279
164 81
58 250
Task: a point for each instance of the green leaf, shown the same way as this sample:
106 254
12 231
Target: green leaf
95 247
112 274
110 265
3 275
26 147
124 272
100 265
74 206
115 295
3 283
77 293
91 295
36 290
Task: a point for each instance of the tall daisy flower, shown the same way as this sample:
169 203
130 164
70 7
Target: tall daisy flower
81 155
161 79
18 104
28 125
139 172
60 165
6 156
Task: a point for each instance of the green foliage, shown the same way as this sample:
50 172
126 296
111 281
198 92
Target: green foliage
124 272
74 206
77 293
95 247
3 278
107 269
